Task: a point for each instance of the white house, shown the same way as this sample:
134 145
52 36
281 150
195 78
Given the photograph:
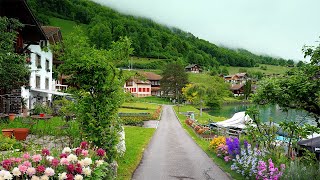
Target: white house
138 87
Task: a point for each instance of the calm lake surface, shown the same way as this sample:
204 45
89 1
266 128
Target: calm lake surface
266 112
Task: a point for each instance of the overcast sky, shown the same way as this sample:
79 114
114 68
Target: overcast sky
275 27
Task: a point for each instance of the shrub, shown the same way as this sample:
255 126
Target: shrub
222 150
133 121
9 144
216 142
196 128
269 171
41 108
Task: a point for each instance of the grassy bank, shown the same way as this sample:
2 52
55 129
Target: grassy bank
205 147
271 69
137 139
204 119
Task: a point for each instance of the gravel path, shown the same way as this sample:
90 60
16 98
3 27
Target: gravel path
172 154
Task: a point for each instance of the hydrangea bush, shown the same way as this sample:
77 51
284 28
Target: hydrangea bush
72 164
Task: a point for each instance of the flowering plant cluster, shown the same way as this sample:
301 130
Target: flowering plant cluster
233 146
269 172
246 162
216 142
72 164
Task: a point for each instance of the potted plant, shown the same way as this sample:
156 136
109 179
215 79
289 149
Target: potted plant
20 133
7 132
12 116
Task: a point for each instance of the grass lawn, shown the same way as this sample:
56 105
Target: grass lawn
66 26
137 139
271 69
150 108
204 119
205 147
154 99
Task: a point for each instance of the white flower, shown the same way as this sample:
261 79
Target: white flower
62 176
87 161
81 163
99 162
44 177
49 171
16 171
78 177
86 171
35 178
2 173
50 158
1 178
7 175
66 150
72 158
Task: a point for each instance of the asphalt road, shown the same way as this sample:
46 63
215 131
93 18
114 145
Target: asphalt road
172 154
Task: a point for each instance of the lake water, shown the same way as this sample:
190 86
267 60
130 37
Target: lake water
266 112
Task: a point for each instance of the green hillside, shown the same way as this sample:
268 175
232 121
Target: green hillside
271 69
66 26
149 39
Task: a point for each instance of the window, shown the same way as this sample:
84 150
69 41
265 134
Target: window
37 81
47 65
129 83
38 61
134 90
47 83
143 89
148 89
140 89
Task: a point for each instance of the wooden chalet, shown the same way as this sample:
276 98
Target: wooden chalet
194 68
155 82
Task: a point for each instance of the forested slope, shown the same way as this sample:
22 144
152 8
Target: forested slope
149 39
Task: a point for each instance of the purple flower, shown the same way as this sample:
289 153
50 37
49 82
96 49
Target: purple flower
245 143
233 146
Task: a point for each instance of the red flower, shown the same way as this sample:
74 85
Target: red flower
6 164
101 152
41 169
69 177
55 162
45 152
63 155
78 169
70 168
78 151
84 145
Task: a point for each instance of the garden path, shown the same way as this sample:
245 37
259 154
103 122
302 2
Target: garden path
172 154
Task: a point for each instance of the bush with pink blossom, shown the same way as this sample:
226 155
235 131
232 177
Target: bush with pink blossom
268 171
78 163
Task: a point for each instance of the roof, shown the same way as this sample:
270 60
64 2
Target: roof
18 9
138 81
241 74
151 76
236 86
155 88
191 66
52 33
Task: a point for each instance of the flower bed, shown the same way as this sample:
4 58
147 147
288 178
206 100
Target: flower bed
79 163
202 132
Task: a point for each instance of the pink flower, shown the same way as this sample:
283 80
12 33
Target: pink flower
70 168
85 152
101 152
55 162
78 151
23 168
31 171
84 145
17 160
27 163
36 158
45 152
26 156
64 161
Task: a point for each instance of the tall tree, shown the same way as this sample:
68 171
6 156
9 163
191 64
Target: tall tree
299 90
174 78
98 89
13 69
247 89
196 93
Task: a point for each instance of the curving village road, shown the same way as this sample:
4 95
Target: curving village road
172 154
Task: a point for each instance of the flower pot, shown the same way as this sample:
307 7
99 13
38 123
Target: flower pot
7 132
20 133
12 116
41 114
